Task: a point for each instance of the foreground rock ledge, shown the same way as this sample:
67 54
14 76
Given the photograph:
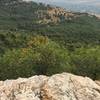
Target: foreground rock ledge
63 86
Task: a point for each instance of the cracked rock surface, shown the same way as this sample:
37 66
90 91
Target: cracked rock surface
63 86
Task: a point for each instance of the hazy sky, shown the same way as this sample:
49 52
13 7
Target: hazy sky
70 1
87 2
75 5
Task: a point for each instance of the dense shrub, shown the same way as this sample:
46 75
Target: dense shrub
43 56
40 58
86 62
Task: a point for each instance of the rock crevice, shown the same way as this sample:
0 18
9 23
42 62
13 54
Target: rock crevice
63 86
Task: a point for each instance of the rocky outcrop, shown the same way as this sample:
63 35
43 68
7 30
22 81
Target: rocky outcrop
54 15
63 86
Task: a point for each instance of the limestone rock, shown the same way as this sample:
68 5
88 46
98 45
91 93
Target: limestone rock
63 86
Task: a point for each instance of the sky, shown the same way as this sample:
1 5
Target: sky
70 1
74 5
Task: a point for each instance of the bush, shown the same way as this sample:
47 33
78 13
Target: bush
40 58
86 62
17 63
53 59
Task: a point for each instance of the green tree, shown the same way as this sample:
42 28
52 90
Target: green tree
40 58
86 62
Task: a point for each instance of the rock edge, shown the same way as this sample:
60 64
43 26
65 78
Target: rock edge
63 86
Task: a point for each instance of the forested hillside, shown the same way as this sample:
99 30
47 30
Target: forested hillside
41 39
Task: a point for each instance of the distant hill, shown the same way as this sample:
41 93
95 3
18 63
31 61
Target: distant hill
36 38
67 27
